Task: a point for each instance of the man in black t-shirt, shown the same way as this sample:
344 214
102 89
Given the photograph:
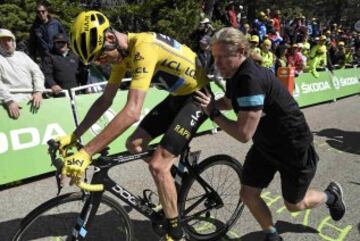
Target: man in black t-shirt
282 140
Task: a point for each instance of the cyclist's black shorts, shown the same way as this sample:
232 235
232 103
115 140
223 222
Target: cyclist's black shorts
260 167
178 118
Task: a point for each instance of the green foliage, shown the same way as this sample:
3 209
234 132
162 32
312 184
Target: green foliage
15 19
156 16
176 18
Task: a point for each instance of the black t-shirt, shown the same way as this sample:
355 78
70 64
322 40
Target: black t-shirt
282 125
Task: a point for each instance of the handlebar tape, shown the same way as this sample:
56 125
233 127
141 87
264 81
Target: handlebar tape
90 187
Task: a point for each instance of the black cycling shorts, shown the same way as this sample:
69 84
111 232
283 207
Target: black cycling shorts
178 118
296 167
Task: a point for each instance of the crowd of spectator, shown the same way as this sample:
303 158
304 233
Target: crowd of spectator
50 63
276 41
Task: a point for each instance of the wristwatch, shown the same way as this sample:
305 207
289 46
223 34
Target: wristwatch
214 113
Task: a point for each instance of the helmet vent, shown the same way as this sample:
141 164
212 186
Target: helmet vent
83 45
93 17
101 19
93 39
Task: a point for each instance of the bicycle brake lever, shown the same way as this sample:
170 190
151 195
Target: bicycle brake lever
57 162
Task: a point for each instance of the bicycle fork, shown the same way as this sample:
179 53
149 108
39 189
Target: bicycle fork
83 222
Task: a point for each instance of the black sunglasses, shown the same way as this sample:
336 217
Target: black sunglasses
40 11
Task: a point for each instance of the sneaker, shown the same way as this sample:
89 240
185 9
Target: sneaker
273 237
337 209
168 238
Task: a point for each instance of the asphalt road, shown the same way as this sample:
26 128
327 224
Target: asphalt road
336 128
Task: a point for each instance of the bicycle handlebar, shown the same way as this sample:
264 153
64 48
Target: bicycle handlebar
90 187
59 164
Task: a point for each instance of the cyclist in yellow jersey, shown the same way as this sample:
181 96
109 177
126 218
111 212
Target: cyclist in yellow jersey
151 58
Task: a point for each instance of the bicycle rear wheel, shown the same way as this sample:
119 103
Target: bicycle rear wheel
201 221
56 218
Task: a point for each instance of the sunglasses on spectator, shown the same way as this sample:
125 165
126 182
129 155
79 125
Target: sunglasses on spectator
40 11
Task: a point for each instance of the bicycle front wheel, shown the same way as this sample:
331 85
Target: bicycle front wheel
56 219
201 220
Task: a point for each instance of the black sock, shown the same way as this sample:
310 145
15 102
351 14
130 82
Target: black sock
330 198
175 230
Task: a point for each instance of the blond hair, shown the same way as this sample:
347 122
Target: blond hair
233 38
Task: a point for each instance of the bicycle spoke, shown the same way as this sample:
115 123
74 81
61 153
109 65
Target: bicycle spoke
205 219
57 221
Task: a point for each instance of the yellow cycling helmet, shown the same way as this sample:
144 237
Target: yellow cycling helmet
87 35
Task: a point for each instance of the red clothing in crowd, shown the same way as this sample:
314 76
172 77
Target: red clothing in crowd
295 60
276 24
233 19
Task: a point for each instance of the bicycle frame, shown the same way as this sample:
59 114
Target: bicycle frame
187 165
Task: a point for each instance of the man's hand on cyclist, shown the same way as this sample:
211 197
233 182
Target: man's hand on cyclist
65 142
205 100
75 165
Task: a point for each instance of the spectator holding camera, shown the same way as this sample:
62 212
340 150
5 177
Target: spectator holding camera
204 29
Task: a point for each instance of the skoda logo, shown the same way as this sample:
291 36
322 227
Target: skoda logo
336 82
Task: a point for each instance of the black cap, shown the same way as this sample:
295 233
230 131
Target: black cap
60 38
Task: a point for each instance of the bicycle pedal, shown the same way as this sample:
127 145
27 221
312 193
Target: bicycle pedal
148 198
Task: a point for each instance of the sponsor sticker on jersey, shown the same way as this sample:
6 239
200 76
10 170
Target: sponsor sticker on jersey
168 41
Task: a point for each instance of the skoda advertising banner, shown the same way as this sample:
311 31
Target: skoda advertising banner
23 148
328 86
309 90
346 82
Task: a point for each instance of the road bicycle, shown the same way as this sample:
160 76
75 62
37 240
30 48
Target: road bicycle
208 201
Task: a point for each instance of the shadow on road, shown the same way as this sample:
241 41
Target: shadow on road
281 226
106 226
347 141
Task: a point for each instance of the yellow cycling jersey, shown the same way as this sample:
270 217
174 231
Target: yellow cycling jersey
159 60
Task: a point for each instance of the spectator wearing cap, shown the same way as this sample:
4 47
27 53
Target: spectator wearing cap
18 71
268 58
301 53
340 55
321 55
42 33
62 68
204 55
204 28
246 31
255 51
295 59
315 62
